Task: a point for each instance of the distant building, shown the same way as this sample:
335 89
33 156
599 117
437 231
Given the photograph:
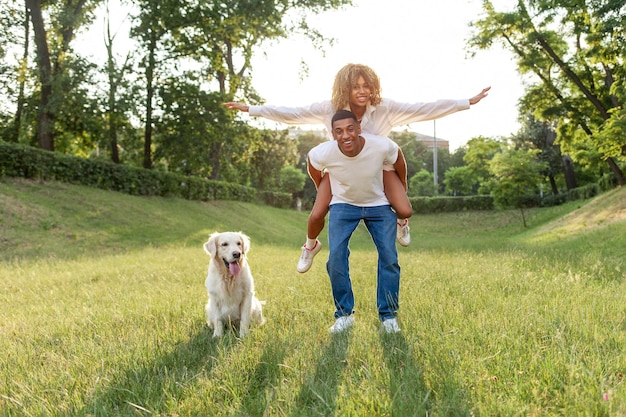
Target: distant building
429 142
294 132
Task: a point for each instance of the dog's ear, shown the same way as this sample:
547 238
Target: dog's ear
210 246
245 240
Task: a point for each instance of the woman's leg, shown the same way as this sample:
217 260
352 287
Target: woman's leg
396 194
320 209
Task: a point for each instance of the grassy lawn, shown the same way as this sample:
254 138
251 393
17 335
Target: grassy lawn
102 297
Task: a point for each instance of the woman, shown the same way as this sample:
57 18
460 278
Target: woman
357 88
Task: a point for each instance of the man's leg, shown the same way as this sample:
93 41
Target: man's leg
381 223
342 221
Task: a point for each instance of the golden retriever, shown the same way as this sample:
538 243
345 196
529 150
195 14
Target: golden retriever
230 285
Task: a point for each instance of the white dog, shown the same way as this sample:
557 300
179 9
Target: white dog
230 284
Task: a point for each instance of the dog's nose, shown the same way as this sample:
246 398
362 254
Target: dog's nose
236 255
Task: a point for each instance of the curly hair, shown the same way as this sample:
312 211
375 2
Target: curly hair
347 77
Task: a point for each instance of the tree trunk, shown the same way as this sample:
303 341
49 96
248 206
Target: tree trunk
17 123
619 175
147 144
555 189
568 170
113 82
215 160
45 117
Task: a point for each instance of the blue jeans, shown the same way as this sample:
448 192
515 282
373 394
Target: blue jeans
381 225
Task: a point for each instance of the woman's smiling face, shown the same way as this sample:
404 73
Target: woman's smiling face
360 93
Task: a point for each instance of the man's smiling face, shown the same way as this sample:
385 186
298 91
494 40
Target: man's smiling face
346 133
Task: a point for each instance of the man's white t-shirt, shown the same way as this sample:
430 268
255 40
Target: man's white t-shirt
356 180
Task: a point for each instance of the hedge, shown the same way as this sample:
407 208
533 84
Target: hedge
33 163
424 205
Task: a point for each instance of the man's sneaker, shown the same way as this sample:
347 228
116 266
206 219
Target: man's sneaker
390 326
403 234
306 259
341 324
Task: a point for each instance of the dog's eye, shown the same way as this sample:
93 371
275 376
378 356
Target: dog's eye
224 244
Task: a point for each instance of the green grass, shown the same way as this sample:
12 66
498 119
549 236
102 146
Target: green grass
102 297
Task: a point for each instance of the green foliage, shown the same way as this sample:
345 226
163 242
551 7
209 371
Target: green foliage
421 184
459 181
274 150
195 134
478 154
291 179
28 162
517 174
276 199
573 55
434 205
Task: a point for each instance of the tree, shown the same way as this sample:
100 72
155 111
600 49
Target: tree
535 134
66 16
220 39
115 77
415 152
12 33
291 180
306 142
459 181
517 175
192 122
422 184
575 52
274 151
478 152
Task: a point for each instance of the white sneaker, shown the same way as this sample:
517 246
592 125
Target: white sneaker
390 326
306 259
341 324
403 234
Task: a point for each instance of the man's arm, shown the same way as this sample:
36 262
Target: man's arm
316 175
400 166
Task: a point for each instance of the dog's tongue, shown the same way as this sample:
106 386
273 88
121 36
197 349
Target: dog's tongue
234 269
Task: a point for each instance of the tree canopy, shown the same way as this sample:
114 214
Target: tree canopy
573 53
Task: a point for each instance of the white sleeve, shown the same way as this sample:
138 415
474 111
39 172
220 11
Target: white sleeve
316 113
405 113
392 152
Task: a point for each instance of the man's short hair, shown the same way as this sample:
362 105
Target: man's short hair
343 114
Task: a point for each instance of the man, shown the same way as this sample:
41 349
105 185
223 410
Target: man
355 164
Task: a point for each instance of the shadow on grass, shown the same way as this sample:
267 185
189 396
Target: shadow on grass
318 395
161 380
263 379
409 393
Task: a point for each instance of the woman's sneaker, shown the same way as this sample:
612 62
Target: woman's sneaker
403 234
306 259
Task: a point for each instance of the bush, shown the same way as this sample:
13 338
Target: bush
584 192
424 205
276 199
32 163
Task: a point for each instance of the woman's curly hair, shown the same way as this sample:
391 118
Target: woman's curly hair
347 77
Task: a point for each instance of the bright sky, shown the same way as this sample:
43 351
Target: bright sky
417 49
